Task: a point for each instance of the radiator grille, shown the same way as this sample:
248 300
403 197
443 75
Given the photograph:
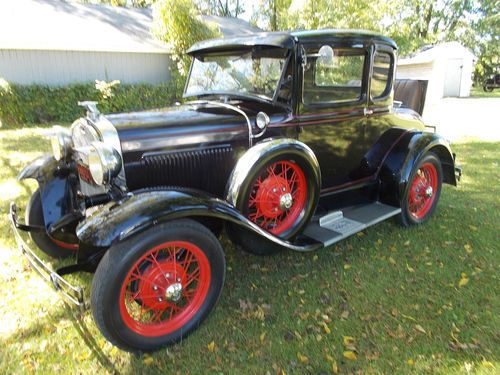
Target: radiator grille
205 169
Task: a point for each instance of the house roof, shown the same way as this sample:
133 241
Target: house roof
429 54
61 25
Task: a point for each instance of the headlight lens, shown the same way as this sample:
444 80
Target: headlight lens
262 120
60 142
104 163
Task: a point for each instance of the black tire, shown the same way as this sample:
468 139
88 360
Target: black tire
255 244
488 88
125 260
412 215
34 216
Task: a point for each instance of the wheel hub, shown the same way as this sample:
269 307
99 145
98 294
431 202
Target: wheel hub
286 202
429 191
173 293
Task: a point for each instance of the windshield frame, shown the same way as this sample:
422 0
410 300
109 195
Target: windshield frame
287 59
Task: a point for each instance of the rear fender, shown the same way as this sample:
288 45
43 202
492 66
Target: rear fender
399 163
117 221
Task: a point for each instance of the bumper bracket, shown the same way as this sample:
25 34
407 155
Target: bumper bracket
71 293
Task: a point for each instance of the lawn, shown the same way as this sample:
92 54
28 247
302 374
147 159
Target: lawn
478 92
389 300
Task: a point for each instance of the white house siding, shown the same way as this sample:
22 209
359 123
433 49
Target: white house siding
56 68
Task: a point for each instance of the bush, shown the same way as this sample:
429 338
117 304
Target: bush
38 104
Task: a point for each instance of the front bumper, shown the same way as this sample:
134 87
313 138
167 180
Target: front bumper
72 294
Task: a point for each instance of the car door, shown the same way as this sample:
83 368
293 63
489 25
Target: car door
332 110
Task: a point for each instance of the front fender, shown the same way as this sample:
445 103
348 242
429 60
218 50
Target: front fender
117 221
58 195
39 169
399 163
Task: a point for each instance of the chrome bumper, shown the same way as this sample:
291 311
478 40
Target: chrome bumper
73 294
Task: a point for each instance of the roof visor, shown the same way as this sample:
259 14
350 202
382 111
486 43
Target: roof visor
281 40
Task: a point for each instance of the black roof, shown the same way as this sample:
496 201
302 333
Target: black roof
287 39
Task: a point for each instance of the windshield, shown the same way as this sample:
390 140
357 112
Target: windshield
255 72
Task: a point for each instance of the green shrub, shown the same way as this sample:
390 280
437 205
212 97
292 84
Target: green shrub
39 104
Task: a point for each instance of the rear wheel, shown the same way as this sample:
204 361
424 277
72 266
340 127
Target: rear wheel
49 245
423 191
156 288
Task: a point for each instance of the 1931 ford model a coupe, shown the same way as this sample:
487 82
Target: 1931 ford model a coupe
291 141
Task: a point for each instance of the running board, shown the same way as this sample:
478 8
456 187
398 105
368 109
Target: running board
337 225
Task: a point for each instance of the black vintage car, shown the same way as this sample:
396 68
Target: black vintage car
287 140
492 83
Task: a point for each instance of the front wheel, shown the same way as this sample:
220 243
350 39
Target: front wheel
156 288
422 192
488 88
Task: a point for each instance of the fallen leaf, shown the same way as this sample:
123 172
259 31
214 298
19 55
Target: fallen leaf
302 358
420 329
464 280
148 360
410 269
468 248
335 368
411 362
487 364
262 336
407 243
350 355
348 340
391 260
211 347
347 266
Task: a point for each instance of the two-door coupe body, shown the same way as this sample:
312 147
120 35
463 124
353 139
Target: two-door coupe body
286 139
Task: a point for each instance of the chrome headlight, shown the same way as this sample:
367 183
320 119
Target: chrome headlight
104 163
61 142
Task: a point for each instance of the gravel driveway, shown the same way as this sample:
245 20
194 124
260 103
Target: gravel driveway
466 118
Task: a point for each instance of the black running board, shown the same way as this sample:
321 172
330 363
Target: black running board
337 225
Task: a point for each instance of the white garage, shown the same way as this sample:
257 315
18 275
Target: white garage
447 67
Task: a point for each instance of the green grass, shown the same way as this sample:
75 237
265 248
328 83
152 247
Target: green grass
478 92
395 291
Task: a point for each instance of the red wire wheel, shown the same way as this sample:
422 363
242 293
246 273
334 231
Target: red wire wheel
278 197
423 191
165 288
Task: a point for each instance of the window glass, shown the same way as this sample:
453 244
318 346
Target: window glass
333 75
380 78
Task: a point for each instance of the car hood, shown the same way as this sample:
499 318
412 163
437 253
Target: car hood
182 126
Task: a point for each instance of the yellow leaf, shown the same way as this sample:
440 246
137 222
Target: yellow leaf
411 362
350 355
347 266
348 340
409 268
419 328
335 368
487 364
360 234
326 328
463 281
302 358
262 336
468 248
391 260
329 358
211 346
315 258
148 360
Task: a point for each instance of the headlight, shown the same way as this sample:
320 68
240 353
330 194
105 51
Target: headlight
60 141
104 163
262 120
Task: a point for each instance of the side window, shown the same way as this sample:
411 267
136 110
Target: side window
382 68
333 75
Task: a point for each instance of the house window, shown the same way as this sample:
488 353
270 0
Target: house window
382 67
333 75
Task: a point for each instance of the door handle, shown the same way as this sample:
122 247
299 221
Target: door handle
368 111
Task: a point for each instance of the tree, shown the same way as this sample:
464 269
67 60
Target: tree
224 8
177 23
